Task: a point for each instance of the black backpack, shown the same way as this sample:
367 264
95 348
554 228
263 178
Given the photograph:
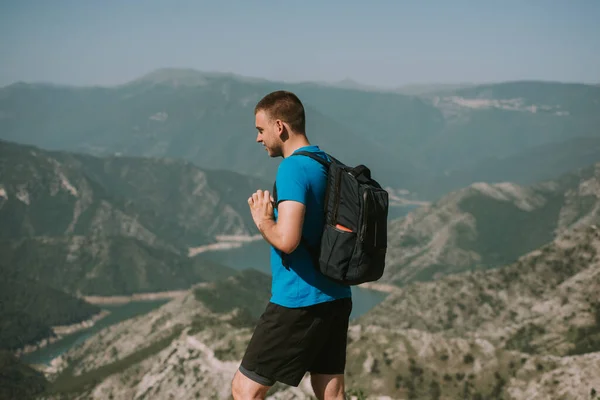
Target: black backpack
354 240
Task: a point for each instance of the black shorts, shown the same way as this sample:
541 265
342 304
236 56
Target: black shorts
288 342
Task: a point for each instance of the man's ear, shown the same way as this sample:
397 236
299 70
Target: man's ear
282 130
279 126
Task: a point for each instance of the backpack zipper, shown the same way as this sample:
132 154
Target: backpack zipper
375 235
338 188
364 220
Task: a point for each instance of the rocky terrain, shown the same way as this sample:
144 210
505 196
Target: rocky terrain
189 347
487 225
529 330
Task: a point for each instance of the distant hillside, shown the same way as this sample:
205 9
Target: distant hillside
29 309
116 225
425 89
525 168
161 202
207 118
105 265
501 120
487 225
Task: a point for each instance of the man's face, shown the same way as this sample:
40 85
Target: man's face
268 134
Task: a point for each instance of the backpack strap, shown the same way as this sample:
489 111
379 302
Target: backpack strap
312 251
284 260
315 157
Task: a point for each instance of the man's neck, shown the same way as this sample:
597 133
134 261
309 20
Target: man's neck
291 145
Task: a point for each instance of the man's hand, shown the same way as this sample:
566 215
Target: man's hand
261 208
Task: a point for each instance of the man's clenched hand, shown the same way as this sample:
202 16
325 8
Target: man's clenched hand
261 208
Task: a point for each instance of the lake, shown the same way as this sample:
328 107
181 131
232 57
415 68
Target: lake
363 301
117 314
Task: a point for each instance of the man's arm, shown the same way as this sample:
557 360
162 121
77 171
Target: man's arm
285 234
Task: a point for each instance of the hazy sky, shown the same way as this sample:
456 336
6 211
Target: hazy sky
384 43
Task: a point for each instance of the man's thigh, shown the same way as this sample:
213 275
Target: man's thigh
284 345
331 359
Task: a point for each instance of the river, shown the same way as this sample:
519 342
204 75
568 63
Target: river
363 301
118 313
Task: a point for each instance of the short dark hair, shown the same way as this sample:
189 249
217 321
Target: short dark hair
285 106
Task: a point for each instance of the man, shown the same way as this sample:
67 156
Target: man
304 327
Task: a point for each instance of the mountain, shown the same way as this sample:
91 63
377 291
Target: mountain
436 88
488 225
209 123
530 330
207 118
116 225
527 329
501 120
182 348
74 225
161 202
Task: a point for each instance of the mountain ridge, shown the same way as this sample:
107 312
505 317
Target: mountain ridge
419 137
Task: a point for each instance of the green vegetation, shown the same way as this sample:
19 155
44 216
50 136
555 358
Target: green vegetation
29 308
249 289
522 339
356 393
18 381
505 232
105 266
586 339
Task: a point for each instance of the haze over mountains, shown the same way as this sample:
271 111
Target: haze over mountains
208 119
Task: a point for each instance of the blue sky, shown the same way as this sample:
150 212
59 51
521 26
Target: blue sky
383 43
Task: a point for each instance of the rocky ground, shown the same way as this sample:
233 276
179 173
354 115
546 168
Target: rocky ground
525 331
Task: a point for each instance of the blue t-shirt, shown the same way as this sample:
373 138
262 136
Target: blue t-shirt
302 179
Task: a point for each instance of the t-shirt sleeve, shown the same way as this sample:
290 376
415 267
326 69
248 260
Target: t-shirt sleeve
291 181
